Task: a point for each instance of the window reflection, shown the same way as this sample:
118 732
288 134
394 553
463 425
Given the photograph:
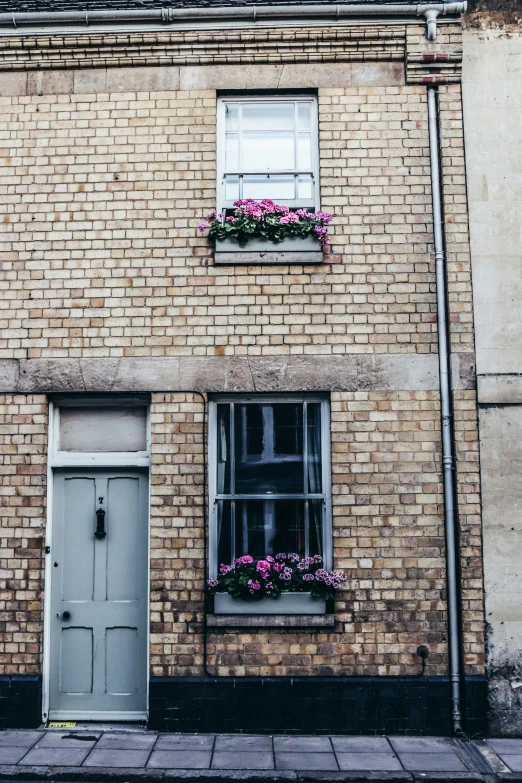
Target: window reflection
265 450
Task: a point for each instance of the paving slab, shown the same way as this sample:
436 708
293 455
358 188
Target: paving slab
432 762
24 739
219 775
55 757
126 742
233 759
243 742
185 742
305 761
421 744
302 744
510 746
64 739
514 762
12 755
117 758
180 759
370 762
361 744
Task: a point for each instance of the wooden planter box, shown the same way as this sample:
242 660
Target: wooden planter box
293 250
286 603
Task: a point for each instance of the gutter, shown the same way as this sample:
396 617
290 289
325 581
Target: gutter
448 442
252 14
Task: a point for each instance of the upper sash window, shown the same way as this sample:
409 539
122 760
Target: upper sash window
268 150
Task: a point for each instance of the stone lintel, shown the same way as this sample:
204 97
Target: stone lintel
499 389
366 372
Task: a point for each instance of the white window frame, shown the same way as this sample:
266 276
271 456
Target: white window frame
325 457
313 203
120 459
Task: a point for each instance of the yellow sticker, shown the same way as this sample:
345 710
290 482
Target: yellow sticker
61 724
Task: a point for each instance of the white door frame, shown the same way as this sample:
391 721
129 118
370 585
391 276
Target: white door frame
85 460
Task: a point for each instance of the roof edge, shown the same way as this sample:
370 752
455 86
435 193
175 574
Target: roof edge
253 14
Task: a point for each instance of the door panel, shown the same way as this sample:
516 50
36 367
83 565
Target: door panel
78 541
121 647
76 656
123 538
98 664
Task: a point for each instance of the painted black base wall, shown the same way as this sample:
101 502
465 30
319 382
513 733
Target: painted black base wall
20 701
315 705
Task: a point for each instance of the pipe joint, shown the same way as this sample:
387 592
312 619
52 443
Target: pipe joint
431 23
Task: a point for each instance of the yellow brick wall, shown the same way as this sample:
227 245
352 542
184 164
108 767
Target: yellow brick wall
388 537
101 254
23 475
101 257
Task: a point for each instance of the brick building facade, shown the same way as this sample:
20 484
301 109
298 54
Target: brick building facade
111 297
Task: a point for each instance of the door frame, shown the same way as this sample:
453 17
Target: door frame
87 460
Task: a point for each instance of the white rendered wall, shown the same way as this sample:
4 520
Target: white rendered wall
492 96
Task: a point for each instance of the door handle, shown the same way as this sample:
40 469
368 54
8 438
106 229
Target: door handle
66 615
100 524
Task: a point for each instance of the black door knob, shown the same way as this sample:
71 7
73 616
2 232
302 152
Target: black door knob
66 615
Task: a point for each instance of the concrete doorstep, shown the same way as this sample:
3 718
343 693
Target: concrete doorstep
138 755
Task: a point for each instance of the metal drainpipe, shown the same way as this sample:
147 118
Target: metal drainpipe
448 455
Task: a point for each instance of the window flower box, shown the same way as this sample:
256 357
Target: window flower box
286 603
265 232
291 250
284 585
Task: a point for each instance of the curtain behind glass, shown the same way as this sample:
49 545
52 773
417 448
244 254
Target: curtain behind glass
223 476
314 476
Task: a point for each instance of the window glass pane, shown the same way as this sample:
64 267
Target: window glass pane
269 448
314 526
231 188
304 116
268 150
267 116
305 187
277 187
314 479
304 151
231 151
231 116
266 527
224 455
103 429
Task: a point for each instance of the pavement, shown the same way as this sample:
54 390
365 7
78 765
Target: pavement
127 755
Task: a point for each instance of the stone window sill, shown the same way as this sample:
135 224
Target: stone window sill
268 257
270 621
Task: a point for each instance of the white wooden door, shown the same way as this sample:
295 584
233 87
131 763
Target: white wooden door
99 607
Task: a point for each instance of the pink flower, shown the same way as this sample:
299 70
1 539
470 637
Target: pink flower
224 569
246 559
308 577
231 219
281 556
254 585
269 559
204 225
278 567
293 556
324 216
212 582
263 565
